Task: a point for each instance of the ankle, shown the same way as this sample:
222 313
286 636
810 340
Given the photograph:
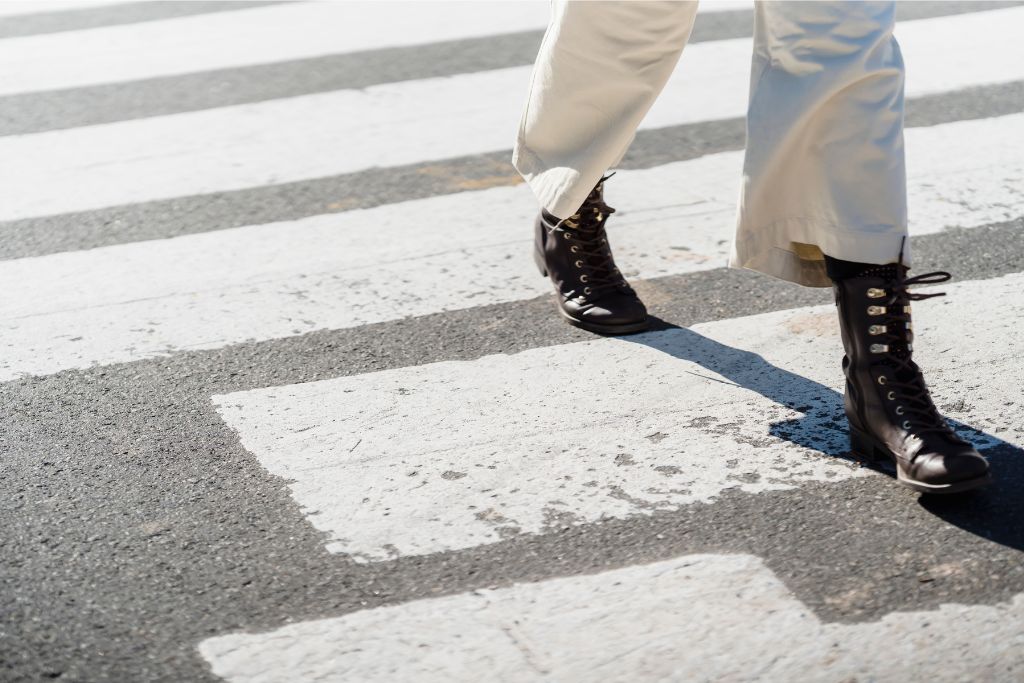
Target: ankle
838 270
550 217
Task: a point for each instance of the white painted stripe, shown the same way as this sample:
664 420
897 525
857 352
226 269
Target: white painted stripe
245 37
12 8
261 35
692 618
708 6
145 299
174 46
330 133
453 455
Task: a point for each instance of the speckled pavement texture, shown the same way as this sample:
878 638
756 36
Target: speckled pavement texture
157 522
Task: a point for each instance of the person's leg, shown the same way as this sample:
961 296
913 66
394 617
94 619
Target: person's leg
600 67
887 402
823 171
824 202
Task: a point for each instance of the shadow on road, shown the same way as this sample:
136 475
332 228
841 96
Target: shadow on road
995 513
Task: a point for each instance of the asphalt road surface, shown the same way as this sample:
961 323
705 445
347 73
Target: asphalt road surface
283 397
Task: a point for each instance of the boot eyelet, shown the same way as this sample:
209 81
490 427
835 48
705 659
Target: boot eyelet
578 264
876 329
882 379
875 293
574 249
879 348
900 410
586 290
566 236
891 396
906 424
584 278
876 310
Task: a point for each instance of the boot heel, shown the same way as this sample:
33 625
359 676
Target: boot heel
538 258
866 446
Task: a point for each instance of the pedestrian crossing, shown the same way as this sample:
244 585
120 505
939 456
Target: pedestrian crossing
311 136
140 300
685 619
183 45
452 455
428 460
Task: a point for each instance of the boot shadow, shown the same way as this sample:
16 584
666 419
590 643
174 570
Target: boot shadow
994 512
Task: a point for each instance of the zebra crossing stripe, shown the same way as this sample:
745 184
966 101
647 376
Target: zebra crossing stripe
247 36
145 299
13 8
325 134
684 619
453 455
296 32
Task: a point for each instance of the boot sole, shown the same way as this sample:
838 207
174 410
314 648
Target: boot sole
586 325
872 450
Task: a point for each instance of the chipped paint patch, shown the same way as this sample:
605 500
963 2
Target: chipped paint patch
816 324
509 180
673 418
346 204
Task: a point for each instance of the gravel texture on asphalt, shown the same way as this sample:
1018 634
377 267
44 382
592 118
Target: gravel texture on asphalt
135 524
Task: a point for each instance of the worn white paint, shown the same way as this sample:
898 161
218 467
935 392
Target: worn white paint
399 123
145 299
244 37
692 618
452 455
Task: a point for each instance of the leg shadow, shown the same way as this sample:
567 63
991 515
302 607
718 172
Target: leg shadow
996 512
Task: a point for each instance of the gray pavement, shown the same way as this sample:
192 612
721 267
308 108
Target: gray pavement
134 524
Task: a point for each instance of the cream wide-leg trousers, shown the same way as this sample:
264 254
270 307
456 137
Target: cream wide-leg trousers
823 171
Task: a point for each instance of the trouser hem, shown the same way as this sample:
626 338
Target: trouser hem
793 249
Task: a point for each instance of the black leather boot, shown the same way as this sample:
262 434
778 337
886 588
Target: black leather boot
574 252
890 411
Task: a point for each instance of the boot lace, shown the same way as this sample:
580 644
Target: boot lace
585 231
916 406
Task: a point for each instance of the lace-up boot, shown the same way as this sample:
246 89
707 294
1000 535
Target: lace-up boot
574 252
890 411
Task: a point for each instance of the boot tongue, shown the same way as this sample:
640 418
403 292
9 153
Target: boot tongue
600 251
592 228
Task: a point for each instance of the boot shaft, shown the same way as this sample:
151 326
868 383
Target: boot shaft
875 317
887 401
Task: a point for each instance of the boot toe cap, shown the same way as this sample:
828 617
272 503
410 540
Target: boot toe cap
617 314
950 468
617 310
